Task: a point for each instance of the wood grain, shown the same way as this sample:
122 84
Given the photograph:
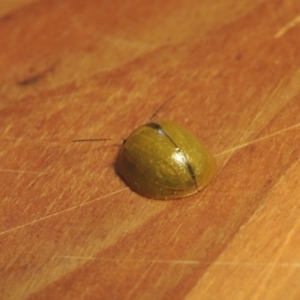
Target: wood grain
69 227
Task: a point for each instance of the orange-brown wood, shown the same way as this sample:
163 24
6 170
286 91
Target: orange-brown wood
69 227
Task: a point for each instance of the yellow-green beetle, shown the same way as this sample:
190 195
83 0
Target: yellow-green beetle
164 161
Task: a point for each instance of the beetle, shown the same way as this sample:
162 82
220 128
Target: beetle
163 160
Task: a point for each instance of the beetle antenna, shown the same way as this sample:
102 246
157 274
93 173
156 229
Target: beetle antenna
94 140
91 140
157 111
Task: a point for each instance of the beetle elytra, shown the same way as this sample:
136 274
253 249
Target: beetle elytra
164 161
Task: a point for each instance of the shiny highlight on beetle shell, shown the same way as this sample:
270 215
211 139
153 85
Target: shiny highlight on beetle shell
164 161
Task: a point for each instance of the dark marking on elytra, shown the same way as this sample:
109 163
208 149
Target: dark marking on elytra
161 131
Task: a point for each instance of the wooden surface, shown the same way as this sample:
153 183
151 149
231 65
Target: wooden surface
70 229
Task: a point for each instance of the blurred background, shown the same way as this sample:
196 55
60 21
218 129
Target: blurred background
69 227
